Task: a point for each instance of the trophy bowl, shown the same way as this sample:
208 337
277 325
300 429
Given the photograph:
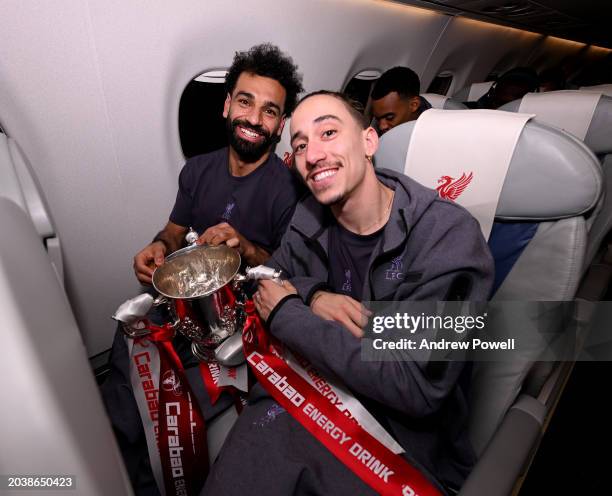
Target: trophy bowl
196 282
196 271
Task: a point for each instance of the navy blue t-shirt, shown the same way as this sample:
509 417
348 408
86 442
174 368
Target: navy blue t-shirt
259 206
349 259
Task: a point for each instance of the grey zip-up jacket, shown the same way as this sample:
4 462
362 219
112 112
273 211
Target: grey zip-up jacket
444 257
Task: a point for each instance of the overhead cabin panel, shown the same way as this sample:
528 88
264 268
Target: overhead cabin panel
582 21
469 49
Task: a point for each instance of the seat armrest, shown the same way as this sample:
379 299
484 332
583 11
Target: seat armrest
508 454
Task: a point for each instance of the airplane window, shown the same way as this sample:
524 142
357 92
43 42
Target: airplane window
359 87
441 83
201 123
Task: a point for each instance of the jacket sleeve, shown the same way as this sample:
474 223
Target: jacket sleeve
404 385
294 268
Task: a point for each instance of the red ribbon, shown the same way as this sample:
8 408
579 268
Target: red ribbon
210 370
182 431
210 373
384 471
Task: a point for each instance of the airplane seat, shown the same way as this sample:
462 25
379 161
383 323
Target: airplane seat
590 121
552 183
53 415
443 102
605 89
472 92
18 184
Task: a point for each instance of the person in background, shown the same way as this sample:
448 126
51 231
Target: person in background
552 80
396 98
510 86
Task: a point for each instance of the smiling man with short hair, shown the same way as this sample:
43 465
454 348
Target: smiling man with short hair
358 225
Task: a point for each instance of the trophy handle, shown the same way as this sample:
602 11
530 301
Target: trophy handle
191 237
264 272
229 353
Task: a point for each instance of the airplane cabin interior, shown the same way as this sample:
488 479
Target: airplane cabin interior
101 104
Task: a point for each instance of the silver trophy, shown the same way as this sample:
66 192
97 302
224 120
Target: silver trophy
204 292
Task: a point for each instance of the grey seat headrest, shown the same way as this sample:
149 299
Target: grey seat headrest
443 102
599 134
472 92
552 174
605 89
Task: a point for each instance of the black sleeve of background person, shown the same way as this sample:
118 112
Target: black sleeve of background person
423 105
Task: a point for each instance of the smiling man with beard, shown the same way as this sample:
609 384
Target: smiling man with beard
242 195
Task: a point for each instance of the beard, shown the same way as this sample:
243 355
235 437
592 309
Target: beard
248 151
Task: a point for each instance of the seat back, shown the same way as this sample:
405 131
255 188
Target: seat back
604 89
595 116
18 184
472 92
551 176
443 102
52 417
552 182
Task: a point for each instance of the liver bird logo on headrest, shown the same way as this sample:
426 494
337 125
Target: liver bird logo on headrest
450 189
288 159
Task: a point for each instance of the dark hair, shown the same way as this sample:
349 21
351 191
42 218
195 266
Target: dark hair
402 80
554 76
353 106
520 76
268 61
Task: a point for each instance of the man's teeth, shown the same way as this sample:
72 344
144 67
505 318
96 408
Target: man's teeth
249 133
322 175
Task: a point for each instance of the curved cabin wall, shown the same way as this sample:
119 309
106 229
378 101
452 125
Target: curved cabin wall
90 91
471 49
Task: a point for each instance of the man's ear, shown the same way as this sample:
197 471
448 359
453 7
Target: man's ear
370 138
226 105
414 104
